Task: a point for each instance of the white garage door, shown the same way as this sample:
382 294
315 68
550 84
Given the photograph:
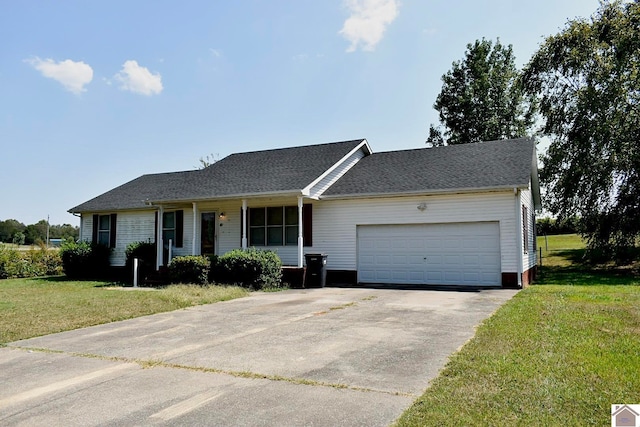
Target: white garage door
430 254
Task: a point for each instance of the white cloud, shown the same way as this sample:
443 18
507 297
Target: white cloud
368 21
138 79
72 75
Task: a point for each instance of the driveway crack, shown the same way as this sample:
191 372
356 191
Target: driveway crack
154 363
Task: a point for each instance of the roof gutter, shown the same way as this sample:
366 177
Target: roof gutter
425 193
155 203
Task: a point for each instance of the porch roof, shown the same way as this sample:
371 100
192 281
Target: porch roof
265 172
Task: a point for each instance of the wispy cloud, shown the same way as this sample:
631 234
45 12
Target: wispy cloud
74 76
368 21
138 79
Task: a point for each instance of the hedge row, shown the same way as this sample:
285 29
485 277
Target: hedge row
250 268
32 263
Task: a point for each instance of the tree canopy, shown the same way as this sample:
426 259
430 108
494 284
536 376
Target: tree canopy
481 99
13 231
587 78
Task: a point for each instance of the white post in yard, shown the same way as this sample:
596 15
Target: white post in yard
170 252
244 223
135 272
300 235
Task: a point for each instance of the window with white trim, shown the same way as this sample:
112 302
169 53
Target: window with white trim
104 230
525 228
273 226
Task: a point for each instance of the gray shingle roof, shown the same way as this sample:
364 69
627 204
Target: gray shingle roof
494 164
269 171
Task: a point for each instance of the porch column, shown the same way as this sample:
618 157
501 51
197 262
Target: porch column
300 236
195 222
244 223
159 245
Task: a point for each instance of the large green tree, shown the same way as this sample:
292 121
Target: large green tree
8 229
587 78
481 99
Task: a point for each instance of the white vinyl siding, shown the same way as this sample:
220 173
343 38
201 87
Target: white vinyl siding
130 227
529 259
335 221
229 229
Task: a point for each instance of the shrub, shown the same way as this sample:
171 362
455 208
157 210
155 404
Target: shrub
190 269
251 268
146 253
34 263
83 260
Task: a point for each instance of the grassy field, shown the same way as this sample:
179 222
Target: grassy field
33 307
559 353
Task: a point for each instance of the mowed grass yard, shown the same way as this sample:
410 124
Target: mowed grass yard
40 306
559 353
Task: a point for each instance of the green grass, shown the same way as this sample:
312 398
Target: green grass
34 307
559 353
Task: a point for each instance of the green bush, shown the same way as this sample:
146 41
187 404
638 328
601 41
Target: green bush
83 260
192 269
34 263
146 253
250 268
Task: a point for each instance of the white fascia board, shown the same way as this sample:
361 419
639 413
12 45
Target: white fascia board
292 193
425 193
307 190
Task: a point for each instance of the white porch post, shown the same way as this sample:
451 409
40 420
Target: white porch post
300 235
195 222
159 245
244 223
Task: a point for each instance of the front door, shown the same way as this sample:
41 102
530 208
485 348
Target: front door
208 233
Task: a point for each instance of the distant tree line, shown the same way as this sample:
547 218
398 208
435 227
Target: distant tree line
13 231
549 226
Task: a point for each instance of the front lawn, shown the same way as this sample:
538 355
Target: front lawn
559 353
34 307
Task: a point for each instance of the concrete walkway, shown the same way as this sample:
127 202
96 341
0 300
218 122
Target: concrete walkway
320 357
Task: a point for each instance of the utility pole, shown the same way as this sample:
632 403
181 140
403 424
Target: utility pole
47 231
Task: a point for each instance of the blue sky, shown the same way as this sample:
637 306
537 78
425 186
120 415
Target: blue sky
95 93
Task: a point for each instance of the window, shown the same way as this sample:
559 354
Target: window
525 228
278 226
173 227
535 232
168 227
104 230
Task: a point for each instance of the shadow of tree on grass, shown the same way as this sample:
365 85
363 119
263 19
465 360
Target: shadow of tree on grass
582 273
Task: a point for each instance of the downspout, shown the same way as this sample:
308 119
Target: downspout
519 249
80 231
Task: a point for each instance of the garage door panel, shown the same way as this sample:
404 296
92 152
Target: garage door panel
463 253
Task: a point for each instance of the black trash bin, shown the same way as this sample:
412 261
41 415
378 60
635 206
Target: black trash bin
316 274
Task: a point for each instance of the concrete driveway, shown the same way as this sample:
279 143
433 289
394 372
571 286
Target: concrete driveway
300 357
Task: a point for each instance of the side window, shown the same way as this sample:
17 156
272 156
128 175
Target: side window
525 228
104 230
